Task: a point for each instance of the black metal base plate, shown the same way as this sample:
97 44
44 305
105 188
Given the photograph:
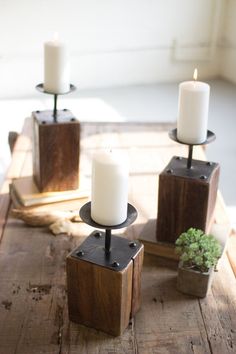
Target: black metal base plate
200 169
46 117
93 250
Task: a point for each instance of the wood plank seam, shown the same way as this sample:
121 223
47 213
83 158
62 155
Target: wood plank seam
205 327
5 208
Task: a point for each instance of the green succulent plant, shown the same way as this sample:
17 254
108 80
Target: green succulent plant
198 250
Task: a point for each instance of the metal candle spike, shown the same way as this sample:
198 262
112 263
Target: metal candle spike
55 109
190 156
40 88
109 250
108 241
173 136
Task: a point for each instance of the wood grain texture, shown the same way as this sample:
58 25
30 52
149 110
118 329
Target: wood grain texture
184 201
21 148
136 282
99 297
56 151
218 310
33 299
231 251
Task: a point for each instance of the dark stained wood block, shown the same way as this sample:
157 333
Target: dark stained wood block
102 297
136 281
186 198
56 150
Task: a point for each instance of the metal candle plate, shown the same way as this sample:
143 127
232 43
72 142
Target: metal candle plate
210 137
40 88
85 214
173 136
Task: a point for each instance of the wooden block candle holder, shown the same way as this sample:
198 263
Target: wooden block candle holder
187 194
186 198
104 277
56 149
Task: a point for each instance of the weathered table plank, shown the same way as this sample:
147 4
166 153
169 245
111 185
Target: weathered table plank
21 148
33 304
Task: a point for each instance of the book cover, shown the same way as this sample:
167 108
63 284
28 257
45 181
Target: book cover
27 193
66 205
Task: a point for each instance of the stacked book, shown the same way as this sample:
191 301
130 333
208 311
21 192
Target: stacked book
25 195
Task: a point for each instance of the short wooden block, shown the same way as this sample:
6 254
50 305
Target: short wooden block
56 150
104 297
152 246
186 198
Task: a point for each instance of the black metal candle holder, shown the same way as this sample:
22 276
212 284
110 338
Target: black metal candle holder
210 137
40 88
104 277
187 194
102 248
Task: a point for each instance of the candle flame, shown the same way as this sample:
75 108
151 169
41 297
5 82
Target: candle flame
195 74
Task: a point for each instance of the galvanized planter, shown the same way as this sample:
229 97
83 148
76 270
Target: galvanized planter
193 282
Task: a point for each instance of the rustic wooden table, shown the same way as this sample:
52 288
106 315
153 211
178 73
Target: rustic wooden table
33 301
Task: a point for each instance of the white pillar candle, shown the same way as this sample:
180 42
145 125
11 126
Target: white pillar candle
193 111
56 67
109 197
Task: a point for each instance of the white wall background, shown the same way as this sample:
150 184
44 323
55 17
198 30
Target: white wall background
119 43
228 65
112 42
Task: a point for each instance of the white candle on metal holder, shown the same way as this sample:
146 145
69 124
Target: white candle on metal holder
193 111
109 197
56 67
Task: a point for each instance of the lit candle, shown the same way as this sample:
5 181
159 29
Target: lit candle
109 197
56 67
193 111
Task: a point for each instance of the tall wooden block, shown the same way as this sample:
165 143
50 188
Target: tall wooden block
186 198
101 294
56 149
